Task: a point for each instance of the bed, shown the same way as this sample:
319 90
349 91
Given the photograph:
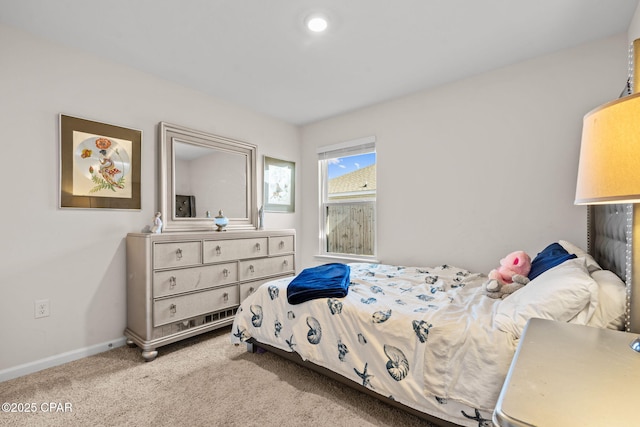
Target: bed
428 339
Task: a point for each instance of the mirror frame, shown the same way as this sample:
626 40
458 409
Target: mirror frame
170 133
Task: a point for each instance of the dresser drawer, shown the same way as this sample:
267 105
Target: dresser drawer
281 245
185 306
226 250
171 282
176 254
248 288
256 268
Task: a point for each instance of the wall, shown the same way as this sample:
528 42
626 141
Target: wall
76 258
633 32
470 171
220 182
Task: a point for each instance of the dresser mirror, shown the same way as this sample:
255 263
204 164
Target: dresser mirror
202 174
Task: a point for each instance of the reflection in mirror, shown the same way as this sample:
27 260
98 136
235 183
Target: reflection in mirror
203 174
214 179
185 206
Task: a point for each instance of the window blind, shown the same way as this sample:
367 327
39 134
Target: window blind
348 148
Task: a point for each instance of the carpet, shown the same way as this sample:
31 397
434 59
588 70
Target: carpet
201 381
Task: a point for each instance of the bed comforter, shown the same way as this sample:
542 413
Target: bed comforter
421 336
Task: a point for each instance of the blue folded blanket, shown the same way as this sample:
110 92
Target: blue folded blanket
324 281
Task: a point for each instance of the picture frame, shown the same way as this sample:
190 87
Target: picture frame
99 165
279 185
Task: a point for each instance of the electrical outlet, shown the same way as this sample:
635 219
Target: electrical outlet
42 308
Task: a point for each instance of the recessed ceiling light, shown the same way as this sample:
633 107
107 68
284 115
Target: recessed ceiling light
317 23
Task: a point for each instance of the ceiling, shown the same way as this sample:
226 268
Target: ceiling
257 53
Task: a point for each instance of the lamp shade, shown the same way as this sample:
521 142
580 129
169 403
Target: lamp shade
609 168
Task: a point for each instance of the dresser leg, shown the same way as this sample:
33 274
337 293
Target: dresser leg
130 343
149 355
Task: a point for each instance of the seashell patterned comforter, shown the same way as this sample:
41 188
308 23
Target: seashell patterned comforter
421 336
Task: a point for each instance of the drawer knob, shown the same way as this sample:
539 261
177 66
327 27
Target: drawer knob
281 244
173 309
225 296
285 262
258 246
218 250
251 268
178 254
225 272
251 289
172 281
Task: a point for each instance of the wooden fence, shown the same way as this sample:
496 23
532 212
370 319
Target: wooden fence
350 228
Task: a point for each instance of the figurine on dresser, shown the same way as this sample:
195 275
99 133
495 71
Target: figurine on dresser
157 223
261 218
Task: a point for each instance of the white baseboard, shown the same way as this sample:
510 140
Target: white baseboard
59 359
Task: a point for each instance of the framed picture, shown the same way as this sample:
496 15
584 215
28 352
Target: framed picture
279 185
99 165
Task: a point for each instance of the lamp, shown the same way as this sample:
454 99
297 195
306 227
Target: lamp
609 168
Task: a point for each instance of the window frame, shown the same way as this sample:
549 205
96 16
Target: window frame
344 149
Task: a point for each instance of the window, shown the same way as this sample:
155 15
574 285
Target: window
348 198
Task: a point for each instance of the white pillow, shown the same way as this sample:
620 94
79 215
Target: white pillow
612 301
560 293
592 265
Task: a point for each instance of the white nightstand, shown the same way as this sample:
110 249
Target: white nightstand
570 375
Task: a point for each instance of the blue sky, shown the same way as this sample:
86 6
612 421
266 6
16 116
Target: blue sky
342 165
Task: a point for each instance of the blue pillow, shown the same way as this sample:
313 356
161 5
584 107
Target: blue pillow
552 255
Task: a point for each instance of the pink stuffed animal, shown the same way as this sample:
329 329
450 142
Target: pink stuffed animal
510 276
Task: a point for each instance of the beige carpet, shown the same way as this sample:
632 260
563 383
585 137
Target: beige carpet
203 381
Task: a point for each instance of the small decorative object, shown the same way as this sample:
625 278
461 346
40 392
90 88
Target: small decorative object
510 276
208 215
157 223
261 218
221 221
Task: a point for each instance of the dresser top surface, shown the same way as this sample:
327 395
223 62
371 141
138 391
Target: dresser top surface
213 235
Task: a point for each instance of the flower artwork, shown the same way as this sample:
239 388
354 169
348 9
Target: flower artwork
102 166
99 165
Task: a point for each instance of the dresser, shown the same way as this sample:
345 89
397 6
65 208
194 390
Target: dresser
183 284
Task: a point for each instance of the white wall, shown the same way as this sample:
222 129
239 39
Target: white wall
473 170
76 258
633 32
